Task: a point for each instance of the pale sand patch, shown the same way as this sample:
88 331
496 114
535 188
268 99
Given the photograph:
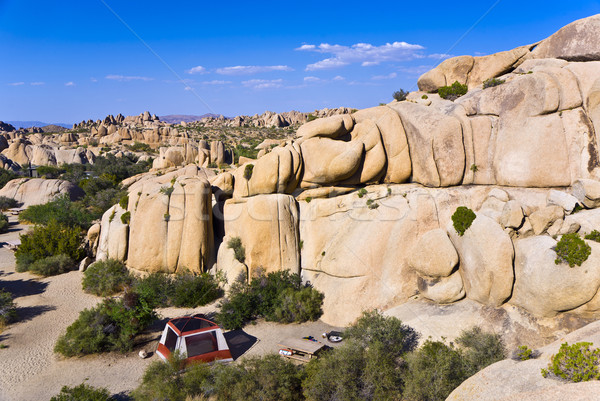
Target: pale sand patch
29 369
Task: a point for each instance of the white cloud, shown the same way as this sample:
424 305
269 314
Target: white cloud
364 53
439 56
339 78
70 83
93 79
251 69
197 70
215 82
312 79
188 88
391 75
418 70
16 83
263 83
37 83
124 78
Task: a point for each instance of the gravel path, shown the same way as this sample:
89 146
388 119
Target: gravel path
29 369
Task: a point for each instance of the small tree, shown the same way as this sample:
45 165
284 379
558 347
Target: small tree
462 219
400 95
572 250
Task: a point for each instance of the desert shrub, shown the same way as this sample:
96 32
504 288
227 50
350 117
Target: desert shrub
248 171
424 97
110 326
264 296
52 265
8 310
61 210
372 327
400 95
353 372
164 381
7 203
453 92
235 243
311 117
50 240
6 176
524 353
480 349
106 277
361 192
83 392
101 201
124 201
433 371
575 363
4 224
462 219
49 171
155 287
593 236
490 83
190 290
126 218
572 250
298 305
140 147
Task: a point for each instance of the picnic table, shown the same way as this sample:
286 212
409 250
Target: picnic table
300 349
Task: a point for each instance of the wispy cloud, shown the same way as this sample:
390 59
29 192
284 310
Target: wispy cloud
391 75
418 70
93 79
364 53
197 70
70 83
312 79
439 56
263 83
251 69
339 78
37 83
16 83
125 78
215 82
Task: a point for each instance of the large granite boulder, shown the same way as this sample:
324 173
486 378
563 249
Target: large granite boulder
577 41
114 233
36 191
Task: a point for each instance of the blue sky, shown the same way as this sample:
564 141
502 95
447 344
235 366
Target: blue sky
65 61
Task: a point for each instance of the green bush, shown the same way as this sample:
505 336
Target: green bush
61 210
7 203
235 243
140 147
524 353
106 277
6 176
248 171
490 83
593 236
4 224
480 349
575 363
311 117
52 265
50 240
124 201
400 95
110 326
453 92
83 392
433 371
8 310
298 305
372 327
256 378
190 290
462 219
49 171
126 218
572 250
271 296
155 287
361 192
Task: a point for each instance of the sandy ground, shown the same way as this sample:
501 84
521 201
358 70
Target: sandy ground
29 369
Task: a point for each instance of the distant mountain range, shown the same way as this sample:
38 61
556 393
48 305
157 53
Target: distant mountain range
177 118
28 124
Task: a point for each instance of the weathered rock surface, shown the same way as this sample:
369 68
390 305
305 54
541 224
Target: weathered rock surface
433 254
113 235
36 191
577 41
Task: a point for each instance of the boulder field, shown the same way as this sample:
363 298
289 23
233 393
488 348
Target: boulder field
360 204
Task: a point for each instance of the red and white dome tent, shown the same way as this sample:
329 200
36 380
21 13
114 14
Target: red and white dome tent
197 339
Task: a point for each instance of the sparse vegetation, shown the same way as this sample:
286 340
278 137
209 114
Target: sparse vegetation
52 265
424 97
311 117
83 392
126 218
593 236
400 95
361 192
8 203
277 296
576 363
106 277
4 224
61 210
248 171
8 310
490 83
572 249
453 92
524 353
235 243
474 168
462 219
110 326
